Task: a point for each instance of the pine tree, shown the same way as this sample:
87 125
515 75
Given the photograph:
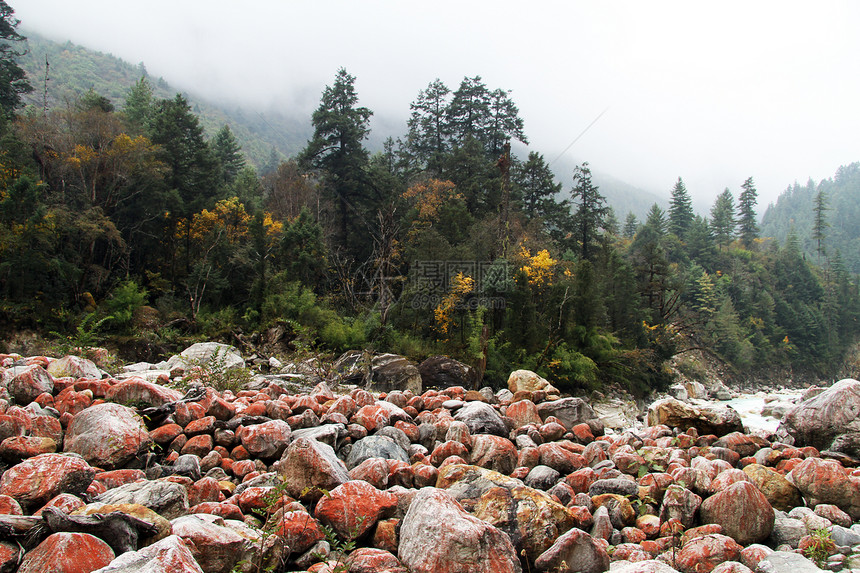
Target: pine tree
504 122
631 225
469 111
590 213
747 225
13 79
192 170
138 106
723 219
228 153
429 137
657 220
536 187
680 210
337 152
820 224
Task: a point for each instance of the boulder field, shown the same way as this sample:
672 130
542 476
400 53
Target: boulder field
149 474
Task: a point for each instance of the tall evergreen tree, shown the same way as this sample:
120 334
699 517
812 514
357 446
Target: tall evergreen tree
820 224
192 170
656 220
680 210
469 111
13 80
429 136
631 225
228 153
655 278
138 106
337 152
504 122
590 211
536 187
700 242
747 224
723 219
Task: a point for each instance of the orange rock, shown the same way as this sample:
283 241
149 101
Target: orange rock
68 553
702 554
353 508
38 479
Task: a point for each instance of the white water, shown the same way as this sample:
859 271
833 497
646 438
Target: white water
749 406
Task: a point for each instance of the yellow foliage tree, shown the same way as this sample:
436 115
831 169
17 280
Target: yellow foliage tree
540 268
461 285
429 196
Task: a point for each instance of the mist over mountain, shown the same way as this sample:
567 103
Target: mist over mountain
795 213
266 135
73 70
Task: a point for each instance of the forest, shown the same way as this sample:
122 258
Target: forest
126 221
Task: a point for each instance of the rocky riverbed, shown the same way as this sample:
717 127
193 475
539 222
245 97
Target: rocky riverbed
154 470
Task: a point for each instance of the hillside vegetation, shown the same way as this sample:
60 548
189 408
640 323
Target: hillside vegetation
266 138
795 212
126 219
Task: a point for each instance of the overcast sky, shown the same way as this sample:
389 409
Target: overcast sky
713 92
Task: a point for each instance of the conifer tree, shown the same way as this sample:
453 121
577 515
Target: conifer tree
469 111
747 225
723 219
631 224
429 137
590 213
337 152
820 224
13 79
138 106
680 210
228 153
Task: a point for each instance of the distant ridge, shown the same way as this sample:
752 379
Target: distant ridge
795 210
265 137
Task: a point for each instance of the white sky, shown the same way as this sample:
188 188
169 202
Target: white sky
713 92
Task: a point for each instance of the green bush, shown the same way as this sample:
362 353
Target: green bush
218 324
126 298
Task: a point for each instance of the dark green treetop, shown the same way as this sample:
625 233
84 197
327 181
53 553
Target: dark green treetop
337 153
590 213
748 227
680 210
13 80
228 153
723 219
428 139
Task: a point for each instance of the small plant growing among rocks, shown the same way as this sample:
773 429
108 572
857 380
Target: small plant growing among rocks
216 373
818 547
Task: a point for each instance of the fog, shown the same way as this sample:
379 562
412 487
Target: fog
711 92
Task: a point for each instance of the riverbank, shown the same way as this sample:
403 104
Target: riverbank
316 478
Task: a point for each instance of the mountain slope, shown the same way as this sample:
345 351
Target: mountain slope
795 209
74 70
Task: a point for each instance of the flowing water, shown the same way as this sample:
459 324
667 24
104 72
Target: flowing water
750 406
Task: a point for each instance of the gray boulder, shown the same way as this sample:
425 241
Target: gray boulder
482 418
168 499
816 421
212 353
107 435
719 420
444 372
571 411
308 467
438 535
379 372
375 447
786 562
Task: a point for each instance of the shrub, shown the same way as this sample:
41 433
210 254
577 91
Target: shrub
127 297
